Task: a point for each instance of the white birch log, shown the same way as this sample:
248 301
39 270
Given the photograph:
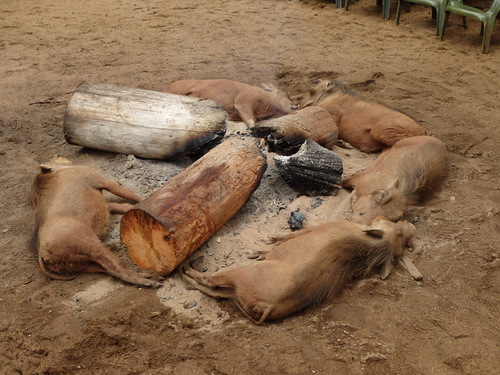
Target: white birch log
143 123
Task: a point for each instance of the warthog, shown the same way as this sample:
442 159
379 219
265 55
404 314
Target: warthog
366 124
401 177
306 267
71 215
240 100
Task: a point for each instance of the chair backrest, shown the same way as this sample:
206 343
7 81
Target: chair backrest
494 8
487 18
458 7
430 3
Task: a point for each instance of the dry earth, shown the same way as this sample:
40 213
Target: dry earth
449 323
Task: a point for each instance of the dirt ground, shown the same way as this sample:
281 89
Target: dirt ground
449 323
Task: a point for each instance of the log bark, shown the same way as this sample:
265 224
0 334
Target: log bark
165 228
144 123
313 170
286 134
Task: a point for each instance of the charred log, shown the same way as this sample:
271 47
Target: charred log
313 170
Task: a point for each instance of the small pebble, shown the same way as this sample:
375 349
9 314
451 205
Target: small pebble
296 219
130 162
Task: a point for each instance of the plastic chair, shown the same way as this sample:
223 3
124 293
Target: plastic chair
439 5
386 7
487 18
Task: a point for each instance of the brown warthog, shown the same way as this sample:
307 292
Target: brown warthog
240 100
306 267
400 177
366 124
71 215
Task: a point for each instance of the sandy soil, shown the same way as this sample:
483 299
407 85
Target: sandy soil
449 323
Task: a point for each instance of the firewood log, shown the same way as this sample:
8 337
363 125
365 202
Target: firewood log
143 123
313 170
287 133
165 228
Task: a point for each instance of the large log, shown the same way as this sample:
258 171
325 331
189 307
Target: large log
144 123
175 220
286 134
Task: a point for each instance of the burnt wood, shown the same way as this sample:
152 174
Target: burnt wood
313 170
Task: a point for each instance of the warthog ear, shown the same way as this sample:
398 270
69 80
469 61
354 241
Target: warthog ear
268 86
329 85
394 184
307 104
57 162
377 232
46 168
386 269
381 196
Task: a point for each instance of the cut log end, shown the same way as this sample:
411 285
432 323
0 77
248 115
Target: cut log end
150 245
174 221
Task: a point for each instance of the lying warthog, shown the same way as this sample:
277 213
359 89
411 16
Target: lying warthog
365 124
240 100
400 177
306 267
71 215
